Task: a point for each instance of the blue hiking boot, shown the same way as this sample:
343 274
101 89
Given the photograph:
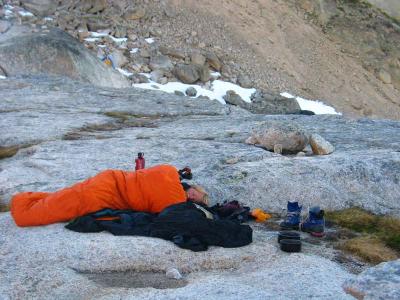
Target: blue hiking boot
292 219
315 222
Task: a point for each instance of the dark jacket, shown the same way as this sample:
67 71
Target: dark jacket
183 223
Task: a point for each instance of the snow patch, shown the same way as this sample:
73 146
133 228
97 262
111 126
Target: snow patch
118 40
318 107
216 91
92 40
2 77
24 13
98 34
150 40
49 19
124 72
134 50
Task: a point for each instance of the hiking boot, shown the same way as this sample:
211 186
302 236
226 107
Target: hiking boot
292 219
315 222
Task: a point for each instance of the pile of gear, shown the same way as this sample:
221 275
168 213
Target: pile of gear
314 224
188 225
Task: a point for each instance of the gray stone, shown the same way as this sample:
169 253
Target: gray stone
173 273
55 53
380 282
385 76
157 75
234 99
179 93
139 78
191 91
197 58
97 6
120 32
266 103
204 73
135 13
213 60
144 53
96 24
4 26
118 58
320 146
391 7
40 8
172 52
244 81
2 72
290 138
187 73
161 62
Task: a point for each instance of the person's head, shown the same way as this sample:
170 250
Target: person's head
197 194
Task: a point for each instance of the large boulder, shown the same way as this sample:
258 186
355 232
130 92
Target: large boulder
273 104
290 138
380 282
187 73
232 98
320 146
23 52
40 8
161 62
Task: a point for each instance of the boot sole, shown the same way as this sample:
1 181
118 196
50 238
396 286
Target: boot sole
317 231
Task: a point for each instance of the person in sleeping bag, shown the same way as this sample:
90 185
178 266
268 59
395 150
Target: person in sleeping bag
146 190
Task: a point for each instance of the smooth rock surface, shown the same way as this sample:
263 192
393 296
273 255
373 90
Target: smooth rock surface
363 171
51 262
23 52
380 282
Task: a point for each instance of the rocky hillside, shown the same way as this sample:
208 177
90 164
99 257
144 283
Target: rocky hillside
343 52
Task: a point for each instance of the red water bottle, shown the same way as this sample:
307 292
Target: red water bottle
139 161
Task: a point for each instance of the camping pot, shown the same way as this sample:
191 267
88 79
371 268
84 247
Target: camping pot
288 235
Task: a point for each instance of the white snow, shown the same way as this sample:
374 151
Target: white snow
8 10
124 72
118 40
95 36
24 13
48 19
134 50
98 34
215 74
318 107
150 40
217 90
2 77
91 40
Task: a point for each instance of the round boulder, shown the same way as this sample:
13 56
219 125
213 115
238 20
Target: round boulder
161 62
289 137
191 91
187 73
320 146
23 52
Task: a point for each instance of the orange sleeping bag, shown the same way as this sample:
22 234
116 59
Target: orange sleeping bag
147 190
